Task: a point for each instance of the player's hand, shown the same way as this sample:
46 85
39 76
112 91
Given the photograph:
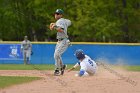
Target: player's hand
52 26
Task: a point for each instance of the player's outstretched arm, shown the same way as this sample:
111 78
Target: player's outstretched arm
71 69
76 65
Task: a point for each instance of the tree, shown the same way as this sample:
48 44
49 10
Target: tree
92 20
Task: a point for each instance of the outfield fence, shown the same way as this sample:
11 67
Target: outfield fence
112 53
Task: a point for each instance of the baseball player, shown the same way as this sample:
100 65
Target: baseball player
60 26
88 66
26 48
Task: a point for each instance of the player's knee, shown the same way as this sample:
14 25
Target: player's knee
56 55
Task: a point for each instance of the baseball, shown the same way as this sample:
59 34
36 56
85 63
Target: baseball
76 75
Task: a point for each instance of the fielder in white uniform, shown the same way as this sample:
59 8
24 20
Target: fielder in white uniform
88 66
60 26
26 48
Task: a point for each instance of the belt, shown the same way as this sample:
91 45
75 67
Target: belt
60 39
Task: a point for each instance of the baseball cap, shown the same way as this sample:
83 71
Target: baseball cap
59 11
25 36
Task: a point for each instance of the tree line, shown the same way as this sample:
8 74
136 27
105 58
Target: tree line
92 20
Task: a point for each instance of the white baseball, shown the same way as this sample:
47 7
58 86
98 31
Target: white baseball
76 75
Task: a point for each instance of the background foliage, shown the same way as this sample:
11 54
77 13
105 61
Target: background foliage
92 20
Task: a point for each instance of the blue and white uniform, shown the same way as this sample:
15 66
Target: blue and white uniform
88 66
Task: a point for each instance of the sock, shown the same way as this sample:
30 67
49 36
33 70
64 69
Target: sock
27 60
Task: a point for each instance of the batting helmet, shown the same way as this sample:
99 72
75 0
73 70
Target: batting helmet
79 54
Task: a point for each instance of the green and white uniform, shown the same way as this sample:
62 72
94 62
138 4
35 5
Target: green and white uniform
63 41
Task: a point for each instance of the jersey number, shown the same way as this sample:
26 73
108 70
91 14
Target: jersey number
90 62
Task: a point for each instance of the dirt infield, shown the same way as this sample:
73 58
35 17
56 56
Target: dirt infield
102 82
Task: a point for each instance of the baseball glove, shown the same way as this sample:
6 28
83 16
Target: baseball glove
52 26
32 52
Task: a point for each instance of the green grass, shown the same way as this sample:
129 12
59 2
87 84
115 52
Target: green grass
24 67
50 67
128 68
6 81
27 67
132 68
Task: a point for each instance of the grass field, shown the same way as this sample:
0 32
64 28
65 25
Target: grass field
132 68
6 81
27 67
49 67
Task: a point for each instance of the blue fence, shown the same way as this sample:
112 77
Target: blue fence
43 53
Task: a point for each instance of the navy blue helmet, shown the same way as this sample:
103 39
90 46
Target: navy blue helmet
79 54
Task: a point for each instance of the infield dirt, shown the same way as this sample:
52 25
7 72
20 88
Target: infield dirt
102 82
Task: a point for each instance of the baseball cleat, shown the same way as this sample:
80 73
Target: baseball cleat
63 69
56 73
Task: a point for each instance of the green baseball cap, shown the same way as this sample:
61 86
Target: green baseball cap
60 11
